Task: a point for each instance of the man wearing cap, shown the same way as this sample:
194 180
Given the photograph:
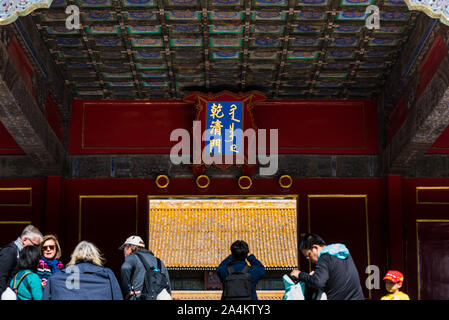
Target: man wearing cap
393 282
133 270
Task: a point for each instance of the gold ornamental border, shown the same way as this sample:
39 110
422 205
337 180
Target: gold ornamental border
285 186
428 11
216 294
30 202
430 188
201 186
24 11
159 184
15 222
240 182
418 221
423 221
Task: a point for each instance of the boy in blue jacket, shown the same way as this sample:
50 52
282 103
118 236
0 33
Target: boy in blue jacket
237 259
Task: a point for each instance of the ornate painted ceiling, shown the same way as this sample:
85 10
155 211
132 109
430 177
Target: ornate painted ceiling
149 49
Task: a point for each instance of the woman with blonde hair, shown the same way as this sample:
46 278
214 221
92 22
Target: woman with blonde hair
49 263
85 278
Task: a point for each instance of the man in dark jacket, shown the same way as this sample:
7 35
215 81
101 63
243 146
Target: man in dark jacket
133 271
31 236
335 272
237 259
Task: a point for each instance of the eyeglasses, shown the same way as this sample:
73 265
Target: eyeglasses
34 244
48 247
308 255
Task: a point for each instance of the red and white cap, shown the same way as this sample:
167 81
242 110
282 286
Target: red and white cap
394 276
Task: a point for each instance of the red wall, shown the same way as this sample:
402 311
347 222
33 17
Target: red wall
53 117
441 145
7 143
21 202
317 127
426 207
126 126
113 209
8 146
397 117
399 211
427 68
21 63
322 127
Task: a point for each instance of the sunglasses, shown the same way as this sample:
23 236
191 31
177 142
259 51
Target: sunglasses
48 248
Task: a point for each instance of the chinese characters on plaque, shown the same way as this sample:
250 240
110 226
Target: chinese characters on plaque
224 126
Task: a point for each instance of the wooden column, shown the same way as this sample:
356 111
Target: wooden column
53 204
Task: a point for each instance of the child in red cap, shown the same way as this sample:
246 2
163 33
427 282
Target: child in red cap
393 282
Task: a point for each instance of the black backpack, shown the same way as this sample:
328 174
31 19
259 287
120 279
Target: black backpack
155 281
237 285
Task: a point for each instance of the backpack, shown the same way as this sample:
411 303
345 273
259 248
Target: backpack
11 293
238 284
154 282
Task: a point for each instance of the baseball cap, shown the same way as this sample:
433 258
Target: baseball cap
133 240
394 276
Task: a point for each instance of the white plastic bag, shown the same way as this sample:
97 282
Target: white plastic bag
164 295
321 295
9 294
293 291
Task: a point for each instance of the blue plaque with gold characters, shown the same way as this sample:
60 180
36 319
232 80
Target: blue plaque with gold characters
222 121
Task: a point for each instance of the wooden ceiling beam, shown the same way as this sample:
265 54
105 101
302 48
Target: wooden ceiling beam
250 70
285 47
205 35
168 54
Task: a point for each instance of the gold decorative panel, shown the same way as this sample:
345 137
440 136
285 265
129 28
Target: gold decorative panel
198 233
